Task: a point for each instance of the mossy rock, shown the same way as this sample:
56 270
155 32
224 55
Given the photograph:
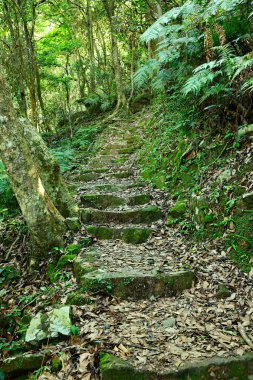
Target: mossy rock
101 201
73 224
64 261
145 215
23 363
135 235
122 174
238 368
85 242
139 199
171 221
132 284
222 292
101 232
73 249
83 265
178 210
78 299
56 364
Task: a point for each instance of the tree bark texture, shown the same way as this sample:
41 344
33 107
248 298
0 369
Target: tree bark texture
45 223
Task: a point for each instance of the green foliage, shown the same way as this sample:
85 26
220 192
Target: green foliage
214 85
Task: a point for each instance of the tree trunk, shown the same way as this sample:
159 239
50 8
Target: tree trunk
109 6
45 223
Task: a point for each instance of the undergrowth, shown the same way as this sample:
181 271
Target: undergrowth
192 163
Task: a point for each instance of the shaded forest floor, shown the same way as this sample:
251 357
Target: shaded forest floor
152 331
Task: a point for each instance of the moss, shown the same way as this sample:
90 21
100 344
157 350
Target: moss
100 232
73 248
139 199
122 174
78 299
222 292
56 364
178 209
64 261
73 224
85 242
101 201
136 235
144 215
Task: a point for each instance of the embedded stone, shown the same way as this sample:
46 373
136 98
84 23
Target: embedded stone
222 292
131 235
19 364
232 367
53 324
146 215
178 209
133 284
73 224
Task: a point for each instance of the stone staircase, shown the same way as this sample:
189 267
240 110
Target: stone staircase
120 212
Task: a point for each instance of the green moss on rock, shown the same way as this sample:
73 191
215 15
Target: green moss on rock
178 210
64 261
56 364
73 249
136 235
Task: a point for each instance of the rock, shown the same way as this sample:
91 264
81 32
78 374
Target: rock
147 215
237 368
23 363
168 322
178 209
64 261
85 264
133 284
171 221
78 299
222 292
73 224
56 364
73 249
102 201
85 242
53 324
134 235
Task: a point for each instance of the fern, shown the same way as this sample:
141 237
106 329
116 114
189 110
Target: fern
242 63
145 73
199 81
214 91
221 6
158 28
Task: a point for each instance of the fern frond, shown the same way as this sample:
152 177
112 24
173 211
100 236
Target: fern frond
248 85
213 91
221 6
143 75
196 83
242 63
155 30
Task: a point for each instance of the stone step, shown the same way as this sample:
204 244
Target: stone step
102 201
144 215
130 235
113 188
216 368
133 284
94 175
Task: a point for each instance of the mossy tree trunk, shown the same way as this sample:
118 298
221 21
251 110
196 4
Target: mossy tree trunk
31 171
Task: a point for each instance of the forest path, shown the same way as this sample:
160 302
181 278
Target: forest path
160 307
